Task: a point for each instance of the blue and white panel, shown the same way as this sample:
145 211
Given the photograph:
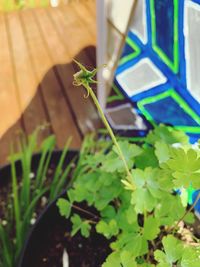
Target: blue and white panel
139 21
140 77
192 47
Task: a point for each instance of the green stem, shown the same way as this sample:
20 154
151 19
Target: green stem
94 98
189 210
16 203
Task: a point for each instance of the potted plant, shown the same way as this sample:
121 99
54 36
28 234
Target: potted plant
134 192
27 185
124 200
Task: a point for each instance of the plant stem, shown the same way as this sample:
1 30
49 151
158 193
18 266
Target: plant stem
16 203
85 211
188 211
94 98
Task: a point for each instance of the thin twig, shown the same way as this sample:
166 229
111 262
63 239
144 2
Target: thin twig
85 211
188 211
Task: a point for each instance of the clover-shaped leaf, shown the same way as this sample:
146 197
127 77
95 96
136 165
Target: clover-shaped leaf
172 252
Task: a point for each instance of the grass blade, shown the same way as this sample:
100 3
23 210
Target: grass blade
29 212
47 146
58 188
59 168
5 249
16 203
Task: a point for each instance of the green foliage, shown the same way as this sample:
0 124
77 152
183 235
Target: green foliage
80 225
167 135
176 254
184 163
148 189
27 194
64 207
112 162
172 251
151 228
136 218
107 229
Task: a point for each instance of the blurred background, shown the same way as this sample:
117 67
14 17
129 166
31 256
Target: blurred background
38 41
150 47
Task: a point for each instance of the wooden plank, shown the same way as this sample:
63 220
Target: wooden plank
59 113
8 140
35 114
91 5
9 105
85 14
85 113
27 83
77 35
89 29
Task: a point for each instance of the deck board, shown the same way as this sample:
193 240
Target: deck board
9 99
56 104
35 114
54 101
37 48
83 109
87 17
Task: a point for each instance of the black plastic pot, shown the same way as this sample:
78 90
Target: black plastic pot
51 211
36 240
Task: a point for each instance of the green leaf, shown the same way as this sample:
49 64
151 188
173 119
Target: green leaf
108 212
107 193
127 259
167 135
71 195
113 260
146 159
173 250
185 167
107 229
151 228
135 244
112 161
131 215
129 150
64 207
190 258
131 241
149 179
76 224
148 189
169 209
189 218
143 200
85 229
162 151
80 225
161 258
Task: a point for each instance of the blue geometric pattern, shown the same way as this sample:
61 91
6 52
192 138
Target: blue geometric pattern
166 50
171 102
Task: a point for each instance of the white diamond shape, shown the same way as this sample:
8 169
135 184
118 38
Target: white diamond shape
141 77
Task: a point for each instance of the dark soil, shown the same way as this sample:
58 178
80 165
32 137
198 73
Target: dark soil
90 252
52 235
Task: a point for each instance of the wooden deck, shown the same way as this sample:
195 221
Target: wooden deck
36 69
